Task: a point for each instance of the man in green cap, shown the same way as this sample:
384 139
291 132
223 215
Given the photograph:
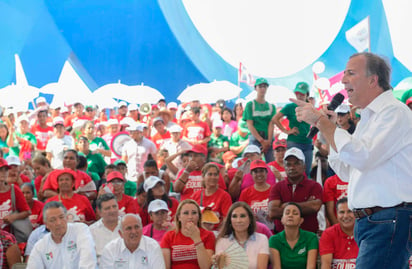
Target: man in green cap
258 115
297 131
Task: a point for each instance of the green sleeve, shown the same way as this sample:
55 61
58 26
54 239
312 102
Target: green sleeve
274 242
313 242
247 113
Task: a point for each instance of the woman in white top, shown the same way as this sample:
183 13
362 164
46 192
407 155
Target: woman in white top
240 228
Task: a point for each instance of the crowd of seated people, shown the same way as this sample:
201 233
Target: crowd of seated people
185 188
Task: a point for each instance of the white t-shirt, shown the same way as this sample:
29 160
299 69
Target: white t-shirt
56 146
147 255
137 155
76 251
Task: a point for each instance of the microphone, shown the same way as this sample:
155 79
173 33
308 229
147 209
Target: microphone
336 101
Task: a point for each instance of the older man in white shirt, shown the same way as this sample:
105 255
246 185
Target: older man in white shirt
67 246
133 249
107 227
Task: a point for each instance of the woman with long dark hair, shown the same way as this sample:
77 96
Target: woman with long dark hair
240 228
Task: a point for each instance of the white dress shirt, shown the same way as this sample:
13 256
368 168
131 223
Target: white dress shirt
147 255
76 251
102 236
377 158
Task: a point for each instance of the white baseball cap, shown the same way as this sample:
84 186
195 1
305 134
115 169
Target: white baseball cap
294 152
175 128
132 107
112 122
13 160
135 127
150 182
251 149
172 105
41 99
157 205
58 120
127 121
343 108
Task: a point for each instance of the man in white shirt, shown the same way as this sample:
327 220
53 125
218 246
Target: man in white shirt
107 227
68 245
133 249
136 151
376 160
58 144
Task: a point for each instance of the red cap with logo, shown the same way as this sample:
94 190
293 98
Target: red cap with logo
258 164
113 175
199 149
3 163
279 143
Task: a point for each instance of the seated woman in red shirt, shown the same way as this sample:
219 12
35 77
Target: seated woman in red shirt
277 166
257 195
218 200
189 246
78 206
36 207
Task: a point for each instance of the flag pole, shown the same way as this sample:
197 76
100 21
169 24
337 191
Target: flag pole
369 35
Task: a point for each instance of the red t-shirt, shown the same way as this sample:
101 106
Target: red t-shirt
334 189
342 246
159 139
258 200
36 211
196 131
42 135
219 202
6 206
77 205
171 214
182 249
37 183
304 191
194 183
127 205
25 178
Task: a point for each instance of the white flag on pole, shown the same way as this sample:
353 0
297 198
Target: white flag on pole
358 36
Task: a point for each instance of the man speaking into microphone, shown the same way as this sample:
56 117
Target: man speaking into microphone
376 159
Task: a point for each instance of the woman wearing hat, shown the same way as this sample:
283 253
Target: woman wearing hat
211 195
78 206
240 228
189 246
297 131
159 213
256 196
155 189
258 114
83 184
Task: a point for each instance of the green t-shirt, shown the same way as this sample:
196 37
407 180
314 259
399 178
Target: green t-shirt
95 163
303 127
13 151
130 188
260 114
217 142
28 136
236 140
295 258
98 143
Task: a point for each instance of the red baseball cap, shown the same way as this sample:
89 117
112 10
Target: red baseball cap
113 175
199 149
279 143
409 101
258 164
54 175
3 163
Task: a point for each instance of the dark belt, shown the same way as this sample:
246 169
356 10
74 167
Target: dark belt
365 212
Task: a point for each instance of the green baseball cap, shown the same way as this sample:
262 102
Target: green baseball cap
302 87
261 81
119 161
